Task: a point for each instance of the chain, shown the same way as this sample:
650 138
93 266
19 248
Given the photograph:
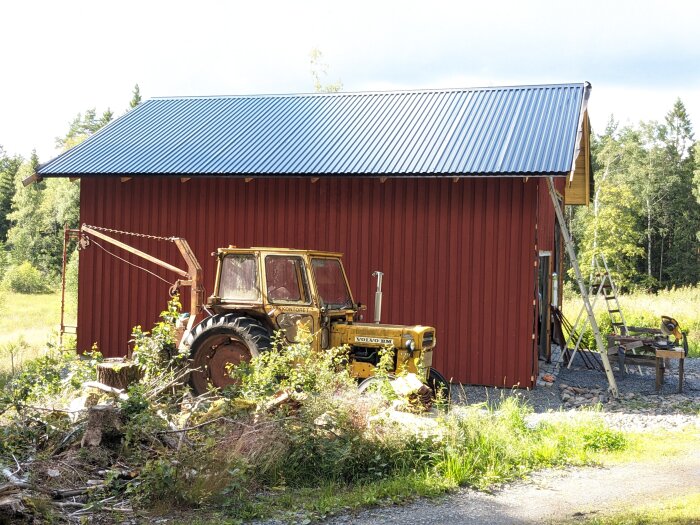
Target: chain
143 235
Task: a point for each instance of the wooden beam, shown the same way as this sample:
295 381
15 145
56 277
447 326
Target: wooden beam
455 179
382 180
73 179
133 250
314 180
125 179
31 179
248 179
184 179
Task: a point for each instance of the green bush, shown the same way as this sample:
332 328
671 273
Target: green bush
26 279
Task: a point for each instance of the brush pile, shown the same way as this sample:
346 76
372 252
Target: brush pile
73 449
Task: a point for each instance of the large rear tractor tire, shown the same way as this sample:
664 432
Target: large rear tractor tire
220 341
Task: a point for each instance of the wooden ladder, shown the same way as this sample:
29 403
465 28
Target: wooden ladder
607 287
585 296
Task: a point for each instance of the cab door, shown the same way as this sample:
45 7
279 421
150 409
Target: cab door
288 297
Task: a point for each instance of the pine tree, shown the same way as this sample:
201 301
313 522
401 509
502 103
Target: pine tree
679 263
8 170
136 98
83 126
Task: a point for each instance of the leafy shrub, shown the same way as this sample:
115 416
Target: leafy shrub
26 279
57 374
156 352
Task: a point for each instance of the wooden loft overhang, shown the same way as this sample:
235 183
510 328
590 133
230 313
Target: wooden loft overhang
579 183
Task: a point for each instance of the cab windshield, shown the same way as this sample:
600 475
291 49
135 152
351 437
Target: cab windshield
330 282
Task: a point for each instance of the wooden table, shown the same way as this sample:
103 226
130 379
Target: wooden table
671 353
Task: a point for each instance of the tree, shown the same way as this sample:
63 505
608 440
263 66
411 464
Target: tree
680 247
82 126
8 171
319 69
29 237
645 183
610 226
136 98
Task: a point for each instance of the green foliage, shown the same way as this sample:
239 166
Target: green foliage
13 350
293 367
83 126
57 374
643 215
319 70
39 213
8 171
136 97
156 352
25 279
72 284
601 438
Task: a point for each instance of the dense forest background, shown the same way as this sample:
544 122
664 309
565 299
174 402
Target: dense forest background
644 215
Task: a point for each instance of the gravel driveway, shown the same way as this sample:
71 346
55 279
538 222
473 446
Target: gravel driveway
549 496
554 495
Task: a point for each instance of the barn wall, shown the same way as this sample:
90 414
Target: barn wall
456 255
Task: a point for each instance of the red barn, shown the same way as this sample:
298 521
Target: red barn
443 190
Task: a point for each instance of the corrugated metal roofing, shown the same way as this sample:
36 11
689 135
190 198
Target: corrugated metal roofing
524 130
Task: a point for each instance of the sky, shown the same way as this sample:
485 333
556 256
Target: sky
62 57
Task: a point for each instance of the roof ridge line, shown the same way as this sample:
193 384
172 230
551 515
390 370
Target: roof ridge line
373 92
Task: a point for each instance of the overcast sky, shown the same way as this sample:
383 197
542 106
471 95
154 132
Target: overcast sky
61 57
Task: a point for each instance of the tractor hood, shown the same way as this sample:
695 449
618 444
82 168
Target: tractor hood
382 335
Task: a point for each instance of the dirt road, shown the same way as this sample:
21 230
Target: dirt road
549 497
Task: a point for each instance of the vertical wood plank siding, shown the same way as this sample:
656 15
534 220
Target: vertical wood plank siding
458 256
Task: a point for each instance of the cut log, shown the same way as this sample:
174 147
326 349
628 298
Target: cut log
118 373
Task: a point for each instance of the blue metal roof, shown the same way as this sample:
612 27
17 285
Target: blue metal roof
501 131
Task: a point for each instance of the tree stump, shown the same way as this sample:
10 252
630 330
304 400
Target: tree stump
104 423
118 373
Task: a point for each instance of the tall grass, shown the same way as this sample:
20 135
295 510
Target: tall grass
27 323
646 309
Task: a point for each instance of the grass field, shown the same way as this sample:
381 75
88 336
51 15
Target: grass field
33 318
644 309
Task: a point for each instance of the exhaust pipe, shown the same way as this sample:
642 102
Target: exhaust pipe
378 297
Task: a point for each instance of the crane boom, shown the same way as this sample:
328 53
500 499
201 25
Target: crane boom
192 276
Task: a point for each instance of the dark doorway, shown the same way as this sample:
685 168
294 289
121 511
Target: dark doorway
544 299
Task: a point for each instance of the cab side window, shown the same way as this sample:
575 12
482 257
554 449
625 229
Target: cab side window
286 281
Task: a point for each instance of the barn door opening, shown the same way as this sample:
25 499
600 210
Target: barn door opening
544 298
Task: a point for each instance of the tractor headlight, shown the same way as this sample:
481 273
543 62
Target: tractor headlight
410 344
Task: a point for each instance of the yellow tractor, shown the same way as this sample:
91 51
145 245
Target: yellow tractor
259 291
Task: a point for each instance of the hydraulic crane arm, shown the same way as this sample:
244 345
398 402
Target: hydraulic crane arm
192 277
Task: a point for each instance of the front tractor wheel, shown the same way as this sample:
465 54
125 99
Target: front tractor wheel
219 342
440 386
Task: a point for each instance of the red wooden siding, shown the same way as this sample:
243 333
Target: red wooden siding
456 255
